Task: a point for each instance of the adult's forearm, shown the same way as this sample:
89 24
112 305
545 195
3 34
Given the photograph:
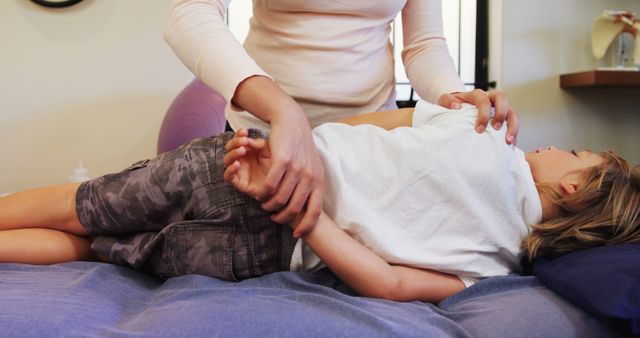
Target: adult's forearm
196 31
425 55
388 119
295 181
261 97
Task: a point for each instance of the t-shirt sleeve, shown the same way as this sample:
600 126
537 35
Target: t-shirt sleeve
424 113
467 281
197 33
426 58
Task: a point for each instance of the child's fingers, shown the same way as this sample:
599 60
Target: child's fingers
256 143
236 142
234 155
230 171
239 147
242 132
237 139
243 141
231 175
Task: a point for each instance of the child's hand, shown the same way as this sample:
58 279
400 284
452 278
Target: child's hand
247 162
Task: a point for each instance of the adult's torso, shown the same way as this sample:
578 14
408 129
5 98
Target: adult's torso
334 57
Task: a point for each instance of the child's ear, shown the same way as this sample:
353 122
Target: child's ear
567 188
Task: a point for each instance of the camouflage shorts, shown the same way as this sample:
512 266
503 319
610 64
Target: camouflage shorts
175 215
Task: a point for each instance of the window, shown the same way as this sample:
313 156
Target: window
459 18
238 15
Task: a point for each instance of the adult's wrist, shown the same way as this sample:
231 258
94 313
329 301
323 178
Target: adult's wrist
260 96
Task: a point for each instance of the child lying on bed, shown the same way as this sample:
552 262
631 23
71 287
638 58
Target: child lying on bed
410 213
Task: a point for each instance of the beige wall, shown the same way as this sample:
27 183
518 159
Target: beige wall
541 40
90 83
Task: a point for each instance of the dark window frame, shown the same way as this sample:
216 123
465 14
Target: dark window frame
481 74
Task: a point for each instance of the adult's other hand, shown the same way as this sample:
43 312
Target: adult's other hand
484 100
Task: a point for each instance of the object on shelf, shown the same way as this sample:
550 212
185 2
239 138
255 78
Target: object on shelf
613 34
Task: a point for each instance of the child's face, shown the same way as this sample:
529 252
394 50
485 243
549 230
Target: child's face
551 165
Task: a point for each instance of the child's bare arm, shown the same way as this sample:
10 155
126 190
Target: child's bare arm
388 119
370 275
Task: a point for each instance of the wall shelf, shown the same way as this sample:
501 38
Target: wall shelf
601 78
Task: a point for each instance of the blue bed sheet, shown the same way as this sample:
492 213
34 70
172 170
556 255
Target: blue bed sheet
95 299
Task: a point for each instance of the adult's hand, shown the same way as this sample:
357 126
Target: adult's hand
484 101
295 182
294 187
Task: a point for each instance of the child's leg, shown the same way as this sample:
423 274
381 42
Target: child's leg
43 246
51 208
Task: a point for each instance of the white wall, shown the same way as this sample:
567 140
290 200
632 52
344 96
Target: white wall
89 83
539 41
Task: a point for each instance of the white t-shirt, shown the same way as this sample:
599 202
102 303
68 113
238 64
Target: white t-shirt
437 195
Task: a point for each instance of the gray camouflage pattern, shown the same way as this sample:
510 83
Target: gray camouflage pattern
175 215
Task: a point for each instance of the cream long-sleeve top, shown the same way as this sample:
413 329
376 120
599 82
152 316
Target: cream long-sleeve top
334 57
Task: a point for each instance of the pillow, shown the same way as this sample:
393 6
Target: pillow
604 281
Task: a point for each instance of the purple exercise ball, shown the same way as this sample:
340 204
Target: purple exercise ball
196 112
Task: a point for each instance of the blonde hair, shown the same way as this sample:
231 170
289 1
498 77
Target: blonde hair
604 211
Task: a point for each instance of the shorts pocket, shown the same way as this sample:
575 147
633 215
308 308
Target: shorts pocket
110 177
138 165
199 247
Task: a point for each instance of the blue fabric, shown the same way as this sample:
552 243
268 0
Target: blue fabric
604 281
96 299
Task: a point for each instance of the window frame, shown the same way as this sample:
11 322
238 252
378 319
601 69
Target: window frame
465 28
466 32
